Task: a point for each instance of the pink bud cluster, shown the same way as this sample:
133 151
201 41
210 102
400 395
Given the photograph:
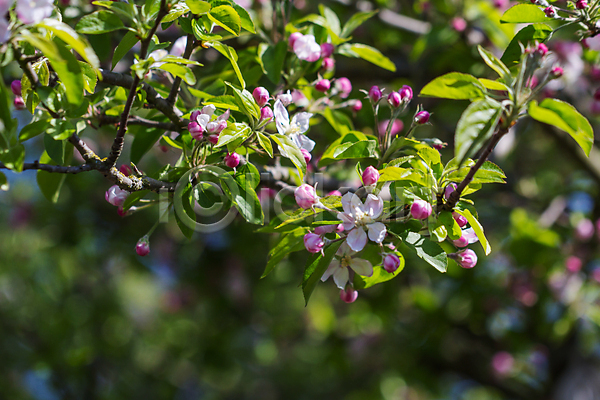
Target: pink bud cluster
262 96
18 102
201 123
401 97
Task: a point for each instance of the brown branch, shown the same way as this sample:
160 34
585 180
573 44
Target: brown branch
189 47
59 169
117 146
455 195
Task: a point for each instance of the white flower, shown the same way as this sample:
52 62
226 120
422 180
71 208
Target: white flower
306 48
158 55
360 217
179 47
339 267
33 11
295 128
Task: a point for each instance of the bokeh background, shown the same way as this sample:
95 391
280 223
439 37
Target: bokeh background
83 317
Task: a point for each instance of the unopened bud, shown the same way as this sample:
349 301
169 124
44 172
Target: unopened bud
19 103
422 117
348 295
344 87
306 197
581 4
293 37
556 72
370 176
15 86
356 105
306 154
323 85
406 93
391 262
266 113
375 94
261 95
327 49
232 160
394 99
327 64
460 220
420 209
550 12
466 258
142 248
313 242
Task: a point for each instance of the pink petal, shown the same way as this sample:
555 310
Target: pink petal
347 220
373 205
377 232
357 239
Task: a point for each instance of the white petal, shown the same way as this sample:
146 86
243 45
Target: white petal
282 118
377 232
302 120
357 239
209 110
470 235
373 206
335 264
203 120
347 220
344 250
350 202
340 277
179 46
361 267
304 142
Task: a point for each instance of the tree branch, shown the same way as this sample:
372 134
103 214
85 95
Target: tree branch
59 169
189 47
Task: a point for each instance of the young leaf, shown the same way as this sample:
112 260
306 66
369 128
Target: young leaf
128 41
227 18
529 34
564 116
234 131
367 53
293 152
454 85
232 56
180 71
524 13
198 7
355 21
427 250
271 59
487 173
70 37
245 18
99 22
494 63
316 267
288 242
265 143
475 127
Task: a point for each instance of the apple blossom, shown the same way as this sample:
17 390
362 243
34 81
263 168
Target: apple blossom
406 93
261 95
420 209
338 193
358 217
460 220
179 46
556 72
326 49
468 236
370 176
349 295
19 103
116 196
391 262
581 4
33 11
299 99
306 154
397 127
327 64
306 48
449 189
550 12
323 85
340 264
306 196
465 258
293 37
394 99
356 105
294 129
573 264
285 98
4 31
314 243
213 139
232 160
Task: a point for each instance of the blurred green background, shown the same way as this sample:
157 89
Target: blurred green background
83 317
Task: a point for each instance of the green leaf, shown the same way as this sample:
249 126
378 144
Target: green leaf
245 199
127 11
245 18
50 183
143 141
362 149
246 102
475 127
405 174
226 18
316 267
184 211
177 10
232 56
234 131
333 22
265 143
477 228
300 214
526 36
225 101
7 123
56 149
4 186
367 53
524 13
293 152
493 85
60 129
333 152
180 71
99 22
564 116
271 59
427 250
494 63
134 198
90 79
13 157
33 129
454 85
70 37
128 41
452 227
487 173
355 21
288 242
380 275
198 7
248 174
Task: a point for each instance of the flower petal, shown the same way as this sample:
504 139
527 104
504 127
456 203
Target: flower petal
350 202
203 120
335 264
304 142
302 120
361 267
357 239
282 118
373 206
347 220
470 235
344 250
377 232
340 277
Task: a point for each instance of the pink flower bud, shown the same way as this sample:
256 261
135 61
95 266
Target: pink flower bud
344 87
293 38
121 212
261 95
375 94
232 160
460 220
214 139
19 103
542 48
323 85
338 193
142 248
420 209
194 115
458 24
313 242
326 49
391 262
15 86
307 155
328 63
406 93
581 4
306 197
584 230
323 229
116 196
466 258
348 295
125 169
573 264
340 228
196 130
370 176
537 2
556 72
449 189
422 117
461 242
356 105
394 99
266 113
550 12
